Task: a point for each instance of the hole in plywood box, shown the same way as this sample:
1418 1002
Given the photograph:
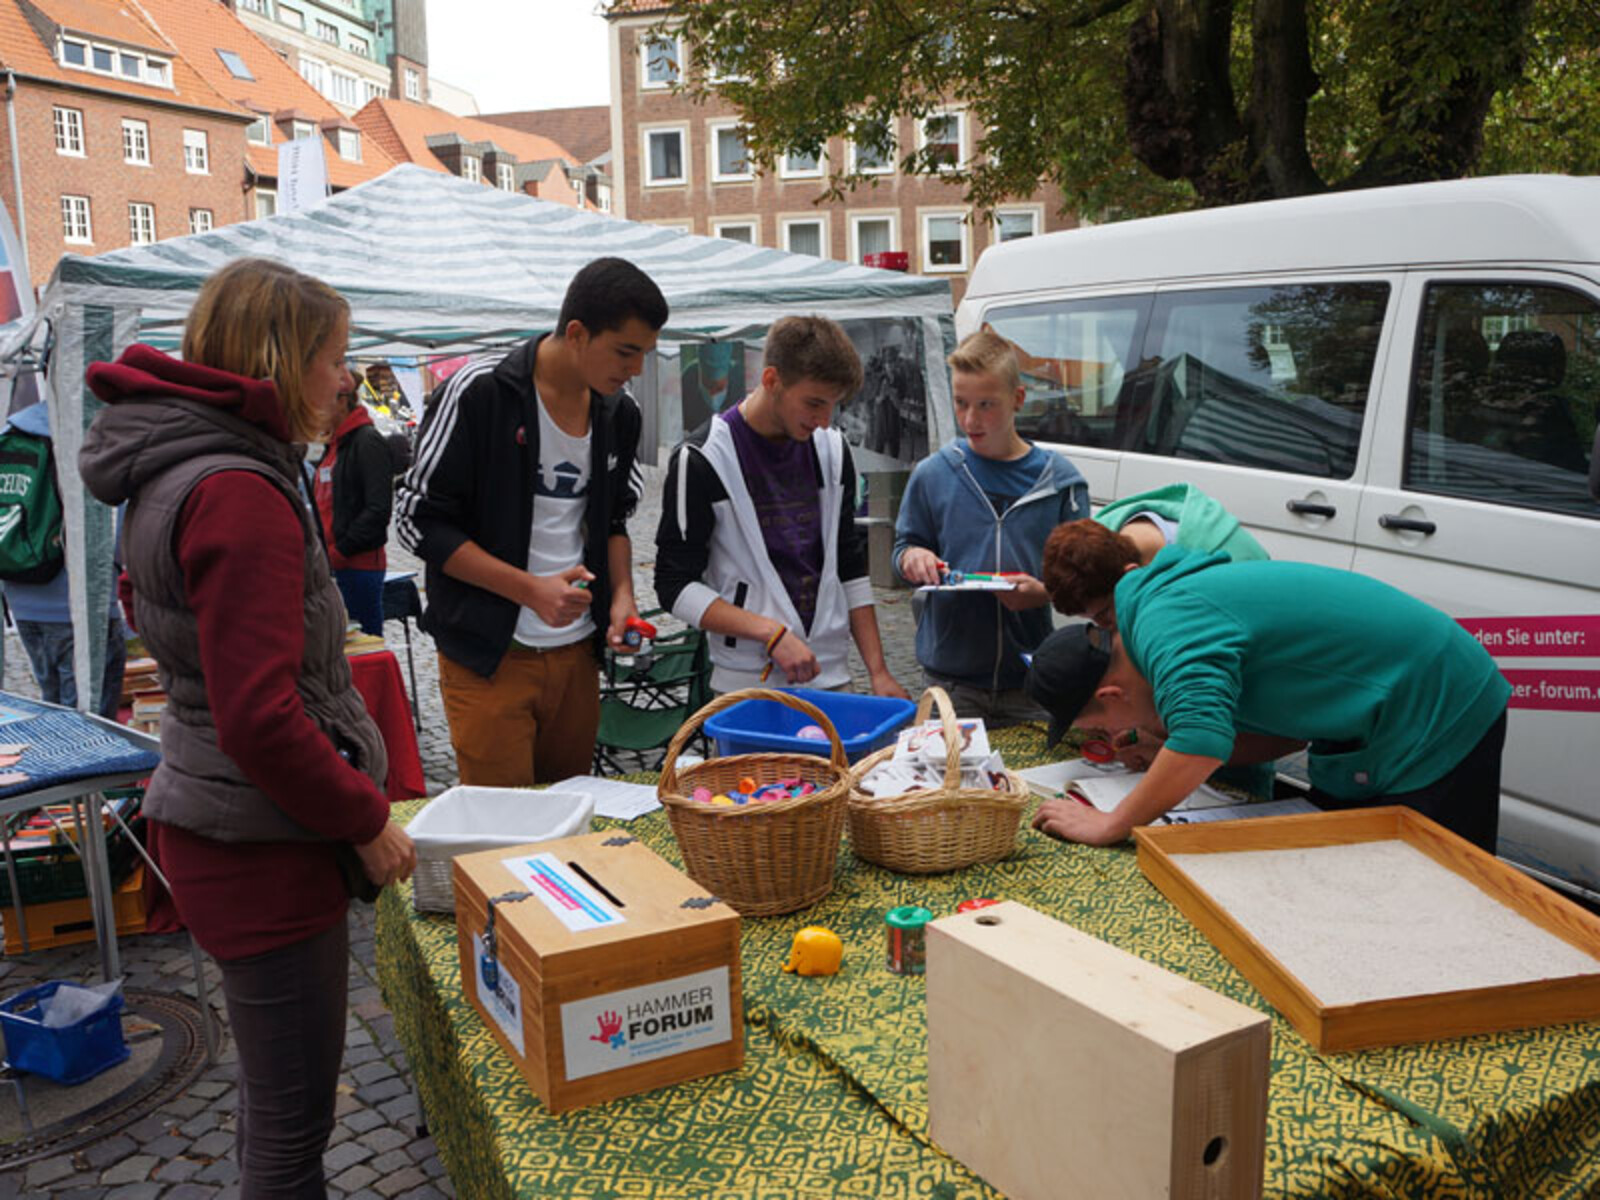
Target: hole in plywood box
988 919
1215 1149
596 885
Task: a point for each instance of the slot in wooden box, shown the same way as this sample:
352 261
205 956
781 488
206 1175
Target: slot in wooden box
1059 1065
1416 1017
617 975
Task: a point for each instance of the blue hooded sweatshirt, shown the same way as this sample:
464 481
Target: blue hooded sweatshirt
971 637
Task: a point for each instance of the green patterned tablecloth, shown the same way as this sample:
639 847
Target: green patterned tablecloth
832 1099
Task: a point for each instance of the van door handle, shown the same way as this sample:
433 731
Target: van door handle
1307 509
1411 524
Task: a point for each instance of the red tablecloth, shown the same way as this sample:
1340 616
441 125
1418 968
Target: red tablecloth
377 678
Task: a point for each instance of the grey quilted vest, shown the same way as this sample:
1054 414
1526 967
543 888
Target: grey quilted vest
198 787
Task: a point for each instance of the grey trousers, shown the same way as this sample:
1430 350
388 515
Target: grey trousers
287 1012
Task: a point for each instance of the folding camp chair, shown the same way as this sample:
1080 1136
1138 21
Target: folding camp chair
641 709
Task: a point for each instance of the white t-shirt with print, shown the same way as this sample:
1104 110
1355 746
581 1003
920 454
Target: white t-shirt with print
559 496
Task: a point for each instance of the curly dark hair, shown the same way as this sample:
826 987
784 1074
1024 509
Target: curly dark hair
1083 560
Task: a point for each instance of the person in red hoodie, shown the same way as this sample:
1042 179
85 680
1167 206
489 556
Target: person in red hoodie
268 809
355 495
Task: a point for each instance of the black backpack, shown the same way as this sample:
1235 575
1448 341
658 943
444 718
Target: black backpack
30 509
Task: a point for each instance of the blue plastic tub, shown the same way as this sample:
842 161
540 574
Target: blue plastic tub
69 1054
864 724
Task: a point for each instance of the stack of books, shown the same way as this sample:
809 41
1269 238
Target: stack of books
147 709
139 675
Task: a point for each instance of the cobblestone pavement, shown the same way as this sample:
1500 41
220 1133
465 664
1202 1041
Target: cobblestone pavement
183 1150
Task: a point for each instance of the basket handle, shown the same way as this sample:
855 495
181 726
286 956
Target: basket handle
937 696
669 765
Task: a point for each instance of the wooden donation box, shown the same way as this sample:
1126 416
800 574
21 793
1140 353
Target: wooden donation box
606 972
1376 926
1062 1067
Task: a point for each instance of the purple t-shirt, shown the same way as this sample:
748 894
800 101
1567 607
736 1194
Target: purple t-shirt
781 478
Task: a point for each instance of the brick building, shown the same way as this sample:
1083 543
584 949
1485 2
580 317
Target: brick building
278 103
681 163
118 140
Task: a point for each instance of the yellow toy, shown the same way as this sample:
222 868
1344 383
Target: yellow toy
816 951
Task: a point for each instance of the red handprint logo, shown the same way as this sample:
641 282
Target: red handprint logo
610 1030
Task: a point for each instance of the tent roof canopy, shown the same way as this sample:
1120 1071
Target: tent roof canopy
433 263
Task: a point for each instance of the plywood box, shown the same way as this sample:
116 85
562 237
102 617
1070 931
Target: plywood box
1060 1066
616 973
1376 927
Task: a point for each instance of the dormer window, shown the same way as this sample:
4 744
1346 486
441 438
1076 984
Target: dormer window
132 65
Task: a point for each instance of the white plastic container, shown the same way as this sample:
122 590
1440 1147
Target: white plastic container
463 820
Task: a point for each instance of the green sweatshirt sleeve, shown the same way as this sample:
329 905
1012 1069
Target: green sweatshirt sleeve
1193 657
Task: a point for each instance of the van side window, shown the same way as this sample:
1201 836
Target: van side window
1267 377
1504 394
1078 364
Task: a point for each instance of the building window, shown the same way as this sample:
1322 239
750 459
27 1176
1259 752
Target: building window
258 132
729 159
1011 224
413 84
69 130
800 164
944 242
806 235
345 87
941 140
358 45
663 64
75 220
110 60
314 72
664 161
872 150
200 220
292 17
472 168
350 145
259 6
371 89
328 31
735 231
872 233
505 178
266 202
236 65
136 142
141 223
300 130
196 157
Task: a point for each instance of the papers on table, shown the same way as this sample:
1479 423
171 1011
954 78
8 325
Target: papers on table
613 798
1106 787
971 585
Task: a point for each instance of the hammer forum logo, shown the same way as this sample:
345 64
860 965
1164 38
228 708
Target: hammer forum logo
676 1013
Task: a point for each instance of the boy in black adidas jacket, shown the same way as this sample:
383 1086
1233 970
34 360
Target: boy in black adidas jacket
518 503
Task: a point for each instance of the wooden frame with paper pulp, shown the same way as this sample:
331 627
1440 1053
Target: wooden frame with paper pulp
1387 1022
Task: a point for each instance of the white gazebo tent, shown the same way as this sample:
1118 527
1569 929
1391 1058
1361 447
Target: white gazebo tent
432 265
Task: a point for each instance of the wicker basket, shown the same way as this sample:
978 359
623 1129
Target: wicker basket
924 833
767 858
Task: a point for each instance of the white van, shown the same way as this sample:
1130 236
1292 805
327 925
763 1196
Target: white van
1402 381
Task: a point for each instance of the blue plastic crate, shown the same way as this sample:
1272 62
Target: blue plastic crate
864 724
69 1054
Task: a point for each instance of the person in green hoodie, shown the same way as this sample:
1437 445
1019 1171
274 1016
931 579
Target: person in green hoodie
1242 662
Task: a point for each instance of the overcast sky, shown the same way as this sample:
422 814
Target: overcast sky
526 54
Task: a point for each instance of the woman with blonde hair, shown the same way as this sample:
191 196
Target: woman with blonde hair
268 810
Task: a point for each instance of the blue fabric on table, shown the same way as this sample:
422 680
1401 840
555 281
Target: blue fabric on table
64 746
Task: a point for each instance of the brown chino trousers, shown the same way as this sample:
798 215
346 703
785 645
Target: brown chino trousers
533 721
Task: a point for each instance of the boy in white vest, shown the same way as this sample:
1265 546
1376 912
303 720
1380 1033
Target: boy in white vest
758 544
